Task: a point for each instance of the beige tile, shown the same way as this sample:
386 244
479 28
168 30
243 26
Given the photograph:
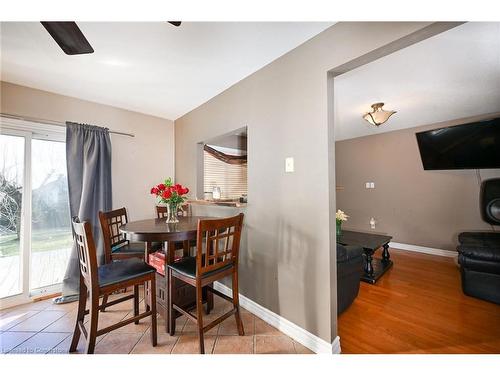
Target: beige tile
191 328
117 343
40 343
9 340
63 347
274 345
14 317
234 345
38 321
264 329
189 344
106 318
71 306
64 324
32 306
228 326
143 325
301 349
164 346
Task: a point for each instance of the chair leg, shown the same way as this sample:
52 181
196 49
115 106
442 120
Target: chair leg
136 302
236 304
82 302
104 302
210 300
94 317
199 317
170 310
152 293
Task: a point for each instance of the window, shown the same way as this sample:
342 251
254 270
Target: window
225 165
35 227
230 178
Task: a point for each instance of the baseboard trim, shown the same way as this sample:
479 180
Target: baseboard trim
290 329
423 249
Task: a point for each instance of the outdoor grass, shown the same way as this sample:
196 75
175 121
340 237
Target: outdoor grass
41 240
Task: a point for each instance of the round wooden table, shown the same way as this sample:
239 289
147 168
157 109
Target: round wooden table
157 230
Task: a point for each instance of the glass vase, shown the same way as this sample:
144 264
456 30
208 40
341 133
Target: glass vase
172 209
339 228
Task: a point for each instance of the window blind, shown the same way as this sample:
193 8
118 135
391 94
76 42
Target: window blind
230 178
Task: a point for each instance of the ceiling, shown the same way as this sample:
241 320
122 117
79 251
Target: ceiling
154 67
452 75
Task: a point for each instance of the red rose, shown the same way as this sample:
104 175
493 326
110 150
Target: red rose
185 191
166 194
154 191
161 187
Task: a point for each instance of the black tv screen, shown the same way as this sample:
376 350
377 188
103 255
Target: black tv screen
470 146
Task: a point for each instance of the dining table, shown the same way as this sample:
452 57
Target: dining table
171 234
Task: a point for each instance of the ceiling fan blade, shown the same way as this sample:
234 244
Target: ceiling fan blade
69 37
175 23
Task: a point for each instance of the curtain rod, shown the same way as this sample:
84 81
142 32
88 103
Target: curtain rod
51 122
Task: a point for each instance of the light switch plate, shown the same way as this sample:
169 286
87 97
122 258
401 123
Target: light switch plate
289 167
367 185
372 185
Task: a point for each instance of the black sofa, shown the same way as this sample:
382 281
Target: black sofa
479 258
349 272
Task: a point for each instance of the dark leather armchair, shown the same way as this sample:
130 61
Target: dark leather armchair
349 272
479 258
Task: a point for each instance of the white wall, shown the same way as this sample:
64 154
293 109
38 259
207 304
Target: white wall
137 163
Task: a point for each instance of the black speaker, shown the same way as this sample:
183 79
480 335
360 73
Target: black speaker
490 201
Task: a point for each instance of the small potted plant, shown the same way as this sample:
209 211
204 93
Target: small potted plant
340 217
172 195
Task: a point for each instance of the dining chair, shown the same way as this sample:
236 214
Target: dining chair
161 211
104 280
116 245
218 242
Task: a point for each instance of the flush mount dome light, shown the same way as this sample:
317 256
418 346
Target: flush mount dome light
378 116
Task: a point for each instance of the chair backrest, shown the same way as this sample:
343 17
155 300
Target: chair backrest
218 243
87 256
111 221
161 211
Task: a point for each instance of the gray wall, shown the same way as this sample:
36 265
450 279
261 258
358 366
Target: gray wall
425 208
286 267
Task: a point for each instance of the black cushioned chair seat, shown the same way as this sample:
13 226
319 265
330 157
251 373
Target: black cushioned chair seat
187 267
122 270
135 248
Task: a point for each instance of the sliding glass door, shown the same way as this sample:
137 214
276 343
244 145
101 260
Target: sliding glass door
12 157
35 231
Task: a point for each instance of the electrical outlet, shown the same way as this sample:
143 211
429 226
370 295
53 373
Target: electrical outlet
289 167
372 223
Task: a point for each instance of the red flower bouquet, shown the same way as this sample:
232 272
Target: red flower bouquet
172 195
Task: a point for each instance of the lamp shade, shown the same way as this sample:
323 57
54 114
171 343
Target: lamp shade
378 115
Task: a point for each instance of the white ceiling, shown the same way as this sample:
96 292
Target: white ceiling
452 75
153 68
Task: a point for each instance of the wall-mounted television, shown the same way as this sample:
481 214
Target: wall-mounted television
469 146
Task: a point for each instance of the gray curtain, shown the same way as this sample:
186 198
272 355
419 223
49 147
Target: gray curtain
88 159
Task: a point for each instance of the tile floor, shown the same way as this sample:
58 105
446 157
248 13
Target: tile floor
42 327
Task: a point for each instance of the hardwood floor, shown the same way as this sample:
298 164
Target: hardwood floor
418 307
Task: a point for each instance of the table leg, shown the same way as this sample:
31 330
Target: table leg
169 257
369 264
385 253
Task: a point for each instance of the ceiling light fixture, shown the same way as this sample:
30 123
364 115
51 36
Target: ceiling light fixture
378 116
